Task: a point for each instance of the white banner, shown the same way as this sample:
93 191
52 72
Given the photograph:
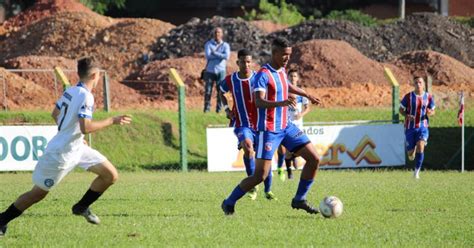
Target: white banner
21 146
342 146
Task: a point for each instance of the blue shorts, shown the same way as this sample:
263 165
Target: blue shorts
413 135
243 133
268 142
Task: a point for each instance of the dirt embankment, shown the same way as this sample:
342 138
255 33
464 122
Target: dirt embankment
338 60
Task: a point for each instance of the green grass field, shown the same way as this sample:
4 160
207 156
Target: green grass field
162 209
149 207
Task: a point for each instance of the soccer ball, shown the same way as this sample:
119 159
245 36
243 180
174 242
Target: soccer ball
331 207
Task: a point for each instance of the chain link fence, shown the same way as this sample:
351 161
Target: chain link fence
40 88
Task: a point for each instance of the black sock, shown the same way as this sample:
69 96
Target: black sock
11 213
288 164
88 198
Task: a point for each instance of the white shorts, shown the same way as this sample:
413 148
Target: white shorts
298 124
52 167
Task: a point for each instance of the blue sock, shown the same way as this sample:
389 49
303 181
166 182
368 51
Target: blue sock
281 159
249 165
303 189
236 194
268 182
419 160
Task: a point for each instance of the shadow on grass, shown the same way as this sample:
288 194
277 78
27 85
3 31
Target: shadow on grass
170 140
415 210
200 166
42 215
443 150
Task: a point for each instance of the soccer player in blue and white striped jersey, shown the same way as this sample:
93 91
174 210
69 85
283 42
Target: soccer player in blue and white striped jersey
417 106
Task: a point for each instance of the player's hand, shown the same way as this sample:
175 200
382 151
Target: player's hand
85 142
122 119
291 101
429 112
229 114
298 116
411 117
314 100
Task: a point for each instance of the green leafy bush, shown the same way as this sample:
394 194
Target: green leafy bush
469 21
285 13
354 16
101 6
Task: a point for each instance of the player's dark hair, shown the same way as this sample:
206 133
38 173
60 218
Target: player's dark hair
85 66
243 52
415 77
292 70
280 42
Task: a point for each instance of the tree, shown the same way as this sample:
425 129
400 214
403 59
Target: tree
101 6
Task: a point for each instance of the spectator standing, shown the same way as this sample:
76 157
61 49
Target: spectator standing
217 53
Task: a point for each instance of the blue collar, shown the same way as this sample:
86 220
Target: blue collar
273 69
81 84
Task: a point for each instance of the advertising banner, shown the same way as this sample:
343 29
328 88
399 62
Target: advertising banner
341 146
21 146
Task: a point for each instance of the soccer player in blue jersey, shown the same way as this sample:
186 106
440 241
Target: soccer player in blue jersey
417 106
243 115
67 149
272 97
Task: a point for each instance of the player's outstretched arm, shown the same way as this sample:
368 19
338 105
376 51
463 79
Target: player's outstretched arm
298 91
89 126
224 102
260 101
55 114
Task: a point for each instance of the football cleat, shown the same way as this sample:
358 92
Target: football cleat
3 230
270 196
86 213
252 193
416 175
303 204
281 174
228 210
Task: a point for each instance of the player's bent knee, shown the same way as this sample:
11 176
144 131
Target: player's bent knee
106 171
112 176
311 157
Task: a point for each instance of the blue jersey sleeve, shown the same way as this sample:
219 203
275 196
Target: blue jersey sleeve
223 86
58 103
260 82
431 103
404 102
87 107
